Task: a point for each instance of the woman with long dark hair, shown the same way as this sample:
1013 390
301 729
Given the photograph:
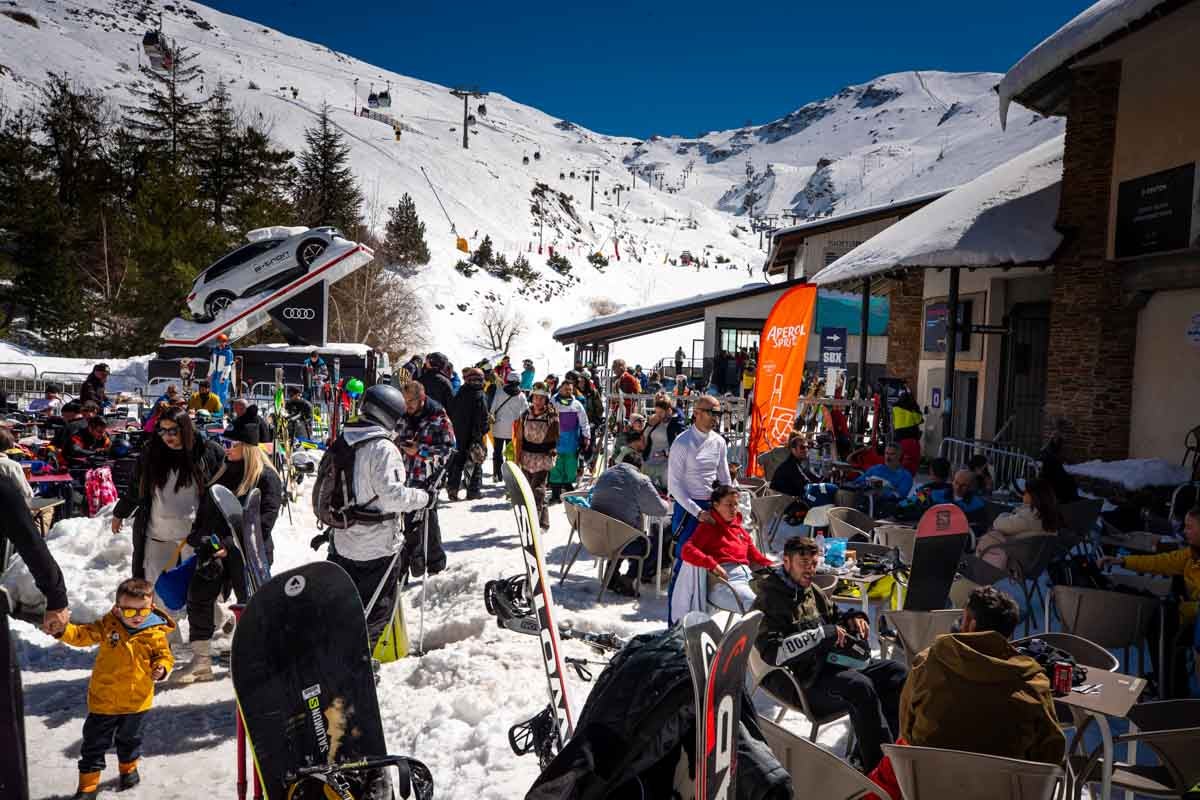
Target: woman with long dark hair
164 493
1038 513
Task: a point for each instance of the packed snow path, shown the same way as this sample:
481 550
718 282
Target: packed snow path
451 708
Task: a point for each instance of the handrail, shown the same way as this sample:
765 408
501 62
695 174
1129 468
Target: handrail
1006 463
29 364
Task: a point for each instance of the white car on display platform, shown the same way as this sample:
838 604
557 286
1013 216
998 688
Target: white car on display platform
273 257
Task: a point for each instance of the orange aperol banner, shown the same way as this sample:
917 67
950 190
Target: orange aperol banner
780 373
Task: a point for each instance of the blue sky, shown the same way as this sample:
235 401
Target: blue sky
637 68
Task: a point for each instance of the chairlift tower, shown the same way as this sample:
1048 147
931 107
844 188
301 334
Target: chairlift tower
593 174
466 95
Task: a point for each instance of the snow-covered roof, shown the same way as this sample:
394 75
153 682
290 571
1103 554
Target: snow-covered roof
848 218
1091 28
1004 217
1133 473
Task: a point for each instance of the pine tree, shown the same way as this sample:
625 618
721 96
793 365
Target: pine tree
263 196
326 191
404 245
216 154
483 255
168 123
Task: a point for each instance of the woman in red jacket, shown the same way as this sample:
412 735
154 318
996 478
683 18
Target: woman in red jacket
723 547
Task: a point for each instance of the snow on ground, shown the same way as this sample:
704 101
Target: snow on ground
451 708
1134 473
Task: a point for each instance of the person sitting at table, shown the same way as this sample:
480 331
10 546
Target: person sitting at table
204 399
722 546
929 494
623 492
800 627
1183 563
793 475
51 404
981 473
10 470
977 668
891 470
91 441
968 499
1038 513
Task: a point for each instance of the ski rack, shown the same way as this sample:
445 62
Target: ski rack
248 314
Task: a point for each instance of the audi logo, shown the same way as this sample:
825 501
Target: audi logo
299 313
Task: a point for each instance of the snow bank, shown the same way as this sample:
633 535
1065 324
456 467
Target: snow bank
1134 473
1004 217
1091 27
22 362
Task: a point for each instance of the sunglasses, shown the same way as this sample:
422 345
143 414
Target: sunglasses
168 431
229 444
130 613
705 410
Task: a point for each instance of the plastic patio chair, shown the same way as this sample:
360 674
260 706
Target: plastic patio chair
1028 557
605 538
770 461
766 512
810 764
860 522
916 630
933 773
1169 729
1080 517
572 511
760 670
900 536
1109 619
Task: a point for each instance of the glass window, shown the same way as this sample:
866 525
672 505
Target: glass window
239 257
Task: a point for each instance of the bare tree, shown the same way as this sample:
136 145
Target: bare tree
498 329
372 306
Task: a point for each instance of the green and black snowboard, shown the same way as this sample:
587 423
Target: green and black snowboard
302 677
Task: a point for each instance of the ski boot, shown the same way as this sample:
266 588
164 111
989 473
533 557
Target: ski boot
129 776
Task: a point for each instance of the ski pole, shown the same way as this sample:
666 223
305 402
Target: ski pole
382 583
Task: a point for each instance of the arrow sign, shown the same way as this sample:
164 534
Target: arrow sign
833 348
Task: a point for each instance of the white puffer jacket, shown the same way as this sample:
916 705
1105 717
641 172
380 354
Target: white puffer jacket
507 410
379 479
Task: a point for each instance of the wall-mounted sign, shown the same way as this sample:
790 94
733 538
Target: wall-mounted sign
935 397
833 348
1158 213
935 327
1193 331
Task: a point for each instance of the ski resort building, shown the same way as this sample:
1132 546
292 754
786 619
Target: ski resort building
1063 286
733 320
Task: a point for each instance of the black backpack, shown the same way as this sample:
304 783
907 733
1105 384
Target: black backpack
333 498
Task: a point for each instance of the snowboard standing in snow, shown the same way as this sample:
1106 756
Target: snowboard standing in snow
246 524
303 682
542 601
718 665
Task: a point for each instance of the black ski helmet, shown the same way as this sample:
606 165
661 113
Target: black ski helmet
383 404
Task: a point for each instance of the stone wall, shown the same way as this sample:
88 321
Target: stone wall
905 326
1093 331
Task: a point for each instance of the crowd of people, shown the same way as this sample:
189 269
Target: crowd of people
425 428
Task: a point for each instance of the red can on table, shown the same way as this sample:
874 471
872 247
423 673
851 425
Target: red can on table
1062 678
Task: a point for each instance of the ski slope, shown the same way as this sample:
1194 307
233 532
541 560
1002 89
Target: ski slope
853 154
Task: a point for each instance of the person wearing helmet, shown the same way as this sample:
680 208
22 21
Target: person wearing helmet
381 498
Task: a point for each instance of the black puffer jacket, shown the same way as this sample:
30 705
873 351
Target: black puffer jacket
469 416
209 519
640 718
437 386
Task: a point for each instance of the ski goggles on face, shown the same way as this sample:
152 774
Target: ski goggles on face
130 613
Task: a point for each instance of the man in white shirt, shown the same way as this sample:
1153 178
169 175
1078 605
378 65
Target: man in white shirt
51 404
697 459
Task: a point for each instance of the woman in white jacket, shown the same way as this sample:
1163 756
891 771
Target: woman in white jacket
507 407
1038 513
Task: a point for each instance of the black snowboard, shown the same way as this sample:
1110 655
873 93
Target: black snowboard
14 780
246 524
302 674
942 534
718 666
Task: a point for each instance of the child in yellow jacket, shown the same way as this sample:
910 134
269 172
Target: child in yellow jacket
1184 562
133 655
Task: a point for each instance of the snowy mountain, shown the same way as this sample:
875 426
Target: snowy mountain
525 172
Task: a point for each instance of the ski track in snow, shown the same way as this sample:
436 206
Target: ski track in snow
451 708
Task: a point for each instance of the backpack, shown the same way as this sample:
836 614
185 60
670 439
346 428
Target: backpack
333 498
